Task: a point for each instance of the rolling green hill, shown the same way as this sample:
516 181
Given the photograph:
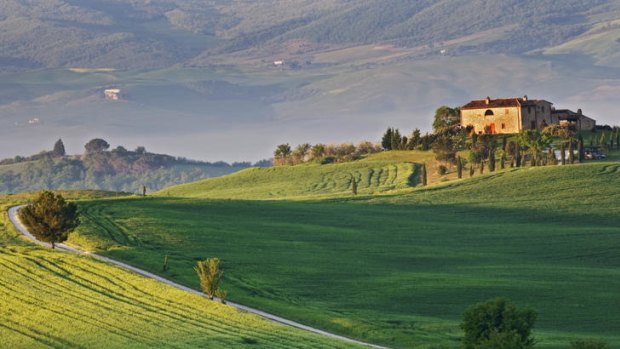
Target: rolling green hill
60 300
396 267
378 173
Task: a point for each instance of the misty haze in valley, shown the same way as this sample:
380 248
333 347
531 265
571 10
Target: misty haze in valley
228 81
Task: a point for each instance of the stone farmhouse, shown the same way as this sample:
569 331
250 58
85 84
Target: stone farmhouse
511 115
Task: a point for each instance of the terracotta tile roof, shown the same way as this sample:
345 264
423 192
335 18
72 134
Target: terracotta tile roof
498 103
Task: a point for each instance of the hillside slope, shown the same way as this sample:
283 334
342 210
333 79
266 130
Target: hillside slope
377 173
135 34
56 299
397 268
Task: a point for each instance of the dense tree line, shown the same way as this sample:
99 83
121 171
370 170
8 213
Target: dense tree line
322 153
118 169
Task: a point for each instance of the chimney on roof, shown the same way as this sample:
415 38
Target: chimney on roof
579 111
525 98
488 100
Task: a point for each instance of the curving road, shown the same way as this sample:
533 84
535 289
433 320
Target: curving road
14 218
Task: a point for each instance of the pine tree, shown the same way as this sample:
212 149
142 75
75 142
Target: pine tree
59 149
50 218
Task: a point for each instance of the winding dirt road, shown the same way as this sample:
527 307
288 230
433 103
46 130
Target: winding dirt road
14 218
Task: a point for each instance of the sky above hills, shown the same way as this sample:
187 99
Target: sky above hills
198 78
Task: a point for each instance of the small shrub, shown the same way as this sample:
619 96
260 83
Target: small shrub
248 340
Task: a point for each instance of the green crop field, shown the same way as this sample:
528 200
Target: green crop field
55 299
395 265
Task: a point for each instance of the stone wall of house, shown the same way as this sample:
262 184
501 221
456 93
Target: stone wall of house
586 123
504 120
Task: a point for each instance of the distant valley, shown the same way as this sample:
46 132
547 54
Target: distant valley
205 73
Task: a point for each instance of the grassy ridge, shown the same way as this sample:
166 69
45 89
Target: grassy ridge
56 299
375 174
398 268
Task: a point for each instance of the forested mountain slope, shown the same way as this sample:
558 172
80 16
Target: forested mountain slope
150 34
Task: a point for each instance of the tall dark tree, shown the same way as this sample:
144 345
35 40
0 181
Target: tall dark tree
96 145
414 140
397 140
563 153
571 152
424 175
50 218
353 186
59 148
492 147
580 150
518 155
386 141
459 167
500 321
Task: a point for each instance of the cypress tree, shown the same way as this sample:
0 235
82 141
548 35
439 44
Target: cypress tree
582 155
502 161
571 153
59 148
396 140
424 176
551 160
505 143
492 160
471 170
353 185
459 167
518 155
482 167
386 141
563 153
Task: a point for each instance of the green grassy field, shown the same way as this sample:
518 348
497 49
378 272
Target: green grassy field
399 267
55 299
